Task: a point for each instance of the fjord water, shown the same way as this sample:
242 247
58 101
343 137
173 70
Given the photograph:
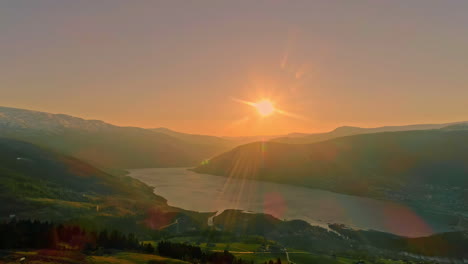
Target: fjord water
207 193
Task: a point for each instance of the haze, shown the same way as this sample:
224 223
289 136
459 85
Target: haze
179 64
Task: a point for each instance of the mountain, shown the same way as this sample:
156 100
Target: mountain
219 143
101 144
192 138
298 138
408 165
461 126
249 139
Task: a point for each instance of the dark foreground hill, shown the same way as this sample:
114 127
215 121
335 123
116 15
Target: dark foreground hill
40 184
339 239
101 144
431 164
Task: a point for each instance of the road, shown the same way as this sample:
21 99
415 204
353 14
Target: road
287 257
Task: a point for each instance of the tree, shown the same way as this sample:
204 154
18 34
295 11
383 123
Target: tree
148 248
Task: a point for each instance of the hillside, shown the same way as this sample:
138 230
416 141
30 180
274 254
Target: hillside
339 238
398 165
40 184
462 126
101 144
221 144
217 144
193 138
350 131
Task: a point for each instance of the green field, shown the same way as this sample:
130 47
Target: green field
73 257
133 258
250 251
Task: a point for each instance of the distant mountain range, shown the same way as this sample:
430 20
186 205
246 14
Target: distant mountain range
221 142
113 147
298 138
108 146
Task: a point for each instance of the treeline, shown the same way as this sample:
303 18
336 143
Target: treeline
175 250
196 255
278 261
41 235
37 235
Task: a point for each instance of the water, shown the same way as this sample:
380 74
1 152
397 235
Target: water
207 193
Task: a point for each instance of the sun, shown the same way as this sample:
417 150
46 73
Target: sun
264 107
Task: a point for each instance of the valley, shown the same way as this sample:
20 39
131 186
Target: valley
257 201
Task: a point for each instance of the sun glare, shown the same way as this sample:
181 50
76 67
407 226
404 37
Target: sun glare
264 107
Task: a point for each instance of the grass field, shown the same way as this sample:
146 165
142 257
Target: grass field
73 257
132 258
250 251
242 247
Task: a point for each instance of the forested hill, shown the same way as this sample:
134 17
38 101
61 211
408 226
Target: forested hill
350 131
363 164
41 184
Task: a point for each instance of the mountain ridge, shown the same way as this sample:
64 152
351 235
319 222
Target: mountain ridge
99 143
352 130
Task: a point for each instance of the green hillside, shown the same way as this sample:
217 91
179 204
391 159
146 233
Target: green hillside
40 184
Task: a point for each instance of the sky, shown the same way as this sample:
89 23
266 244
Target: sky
187 65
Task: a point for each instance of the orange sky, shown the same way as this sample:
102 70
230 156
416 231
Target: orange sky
180 64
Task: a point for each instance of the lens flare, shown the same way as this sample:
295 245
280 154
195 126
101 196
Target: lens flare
264 107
